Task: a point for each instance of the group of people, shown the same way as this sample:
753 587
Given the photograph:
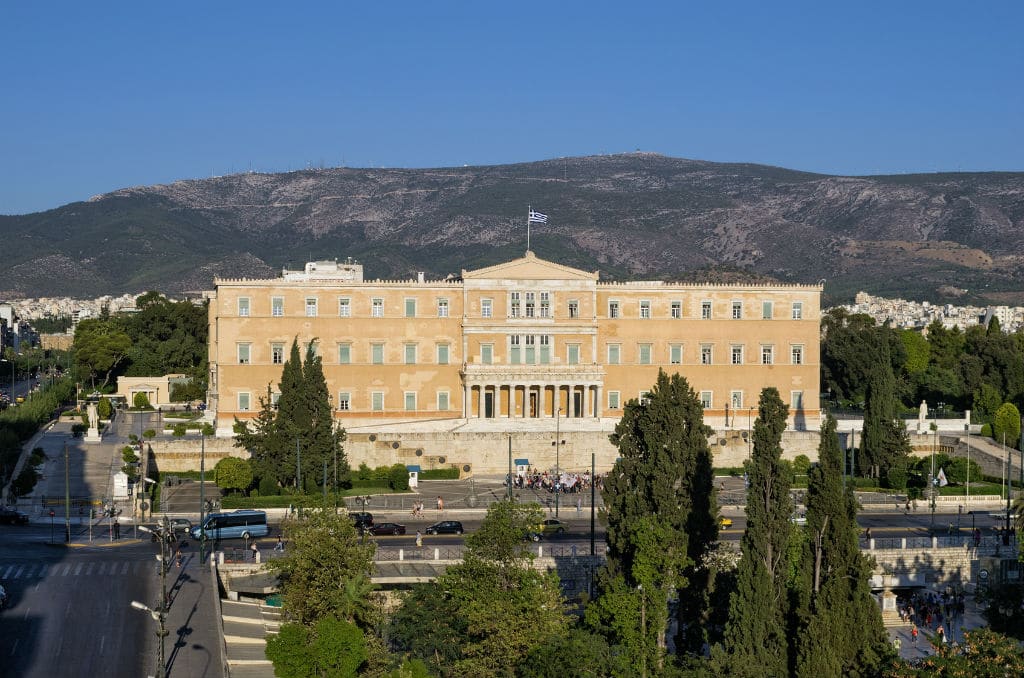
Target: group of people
940 613
564 482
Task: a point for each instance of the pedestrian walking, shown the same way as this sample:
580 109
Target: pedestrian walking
897 644
177 556
255 549
579 504
279 546
419 539
440 503
117 529
941 633
913 635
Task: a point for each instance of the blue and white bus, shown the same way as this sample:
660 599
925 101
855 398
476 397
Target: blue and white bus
235 525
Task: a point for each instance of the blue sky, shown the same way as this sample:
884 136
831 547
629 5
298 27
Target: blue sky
99 96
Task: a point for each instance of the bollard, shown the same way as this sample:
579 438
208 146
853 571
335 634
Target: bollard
540 551
401 554
220 557
871 544
437 554
903 542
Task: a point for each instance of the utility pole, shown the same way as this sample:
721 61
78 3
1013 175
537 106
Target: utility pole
202 497
593 485
67 497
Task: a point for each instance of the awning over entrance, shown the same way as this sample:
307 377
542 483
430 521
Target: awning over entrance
521 462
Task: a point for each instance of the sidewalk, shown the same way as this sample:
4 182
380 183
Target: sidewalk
193 645
971 620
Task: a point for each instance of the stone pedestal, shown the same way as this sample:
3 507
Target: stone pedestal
890 614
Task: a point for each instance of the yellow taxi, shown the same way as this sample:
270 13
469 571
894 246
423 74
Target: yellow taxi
724 522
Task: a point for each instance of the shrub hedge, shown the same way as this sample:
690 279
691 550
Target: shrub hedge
440 474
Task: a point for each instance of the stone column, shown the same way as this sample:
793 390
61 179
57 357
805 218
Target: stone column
467 403
542 392
598 402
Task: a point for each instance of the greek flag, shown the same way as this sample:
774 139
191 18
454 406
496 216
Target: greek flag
537 217
942 479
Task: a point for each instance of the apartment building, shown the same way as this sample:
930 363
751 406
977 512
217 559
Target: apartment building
512 345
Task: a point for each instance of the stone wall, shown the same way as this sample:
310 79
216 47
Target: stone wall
477 452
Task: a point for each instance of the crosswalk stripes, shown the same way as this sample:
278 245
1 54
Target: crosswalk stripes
102 568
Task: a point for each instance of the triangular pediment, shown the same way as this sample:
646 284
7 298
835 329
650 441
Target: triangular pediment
529 268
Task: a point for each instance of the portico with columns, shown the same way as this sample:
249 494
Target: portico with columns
531 394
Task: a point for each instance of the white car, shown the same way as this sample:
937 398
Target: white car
798 519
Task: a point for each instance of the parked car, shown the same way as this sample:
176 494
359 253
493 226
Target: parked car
445 527
9 516
361 520
549 527
724 522
385 528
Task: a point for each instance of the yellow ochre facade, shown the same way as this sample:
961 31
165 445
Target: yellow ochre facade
527 345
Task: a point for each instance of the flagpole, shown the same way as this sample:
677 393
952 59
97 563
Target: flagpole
529 208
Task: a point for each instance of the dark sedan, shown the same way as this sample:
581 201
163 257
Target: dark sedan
445 527
9 516
385 528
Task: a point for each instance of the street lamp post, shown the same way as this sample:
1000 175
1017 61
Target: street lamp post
558 469
159 614
202 497
933 481
967 428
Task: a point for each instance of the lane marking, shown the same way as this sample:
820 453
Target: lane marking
18 573
88 568
103 639
67 610
27 610
78 569
42 570
14 648
67 568
8 573
124 570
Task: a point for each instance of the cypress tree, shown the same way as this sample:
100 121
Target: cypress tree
884 445
323 441
842 633
759 610
660 516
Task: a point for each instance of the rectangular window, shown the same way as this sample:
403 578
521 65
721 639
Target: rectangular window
277 306
277 353
243 307
644 397
736 399
442 354
574 308
486 308
644 354
677 310
344 400
705 354
545 304
442 401
572 356
377 354
314 348
514 356
244 356
377 401
410 308
545 349
513 304
344 308
613 309
796 355
529 304
796 400
767 309
613 400
737 355
705 310
798 310
614 354
442 308
675 354
410 402
737 310
243 402
645 309
486 354
275 398
377 308
530 357
344 354
705 399
767 355
311 307
410 354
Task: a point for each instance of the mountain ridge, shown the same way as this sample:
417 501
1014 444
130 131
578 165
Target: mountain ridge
937 237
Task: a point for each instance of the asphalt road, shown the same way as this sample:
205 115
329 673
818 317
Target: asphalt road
69 608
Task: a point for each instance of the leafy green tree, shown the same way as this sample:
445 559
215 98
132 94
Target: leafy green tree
578 653
487 613
840 627
849 352
756 641
986 401
332 648
917 351
661 516
104 408
1007 423
232 473
99 349
324 554
140 401
983 654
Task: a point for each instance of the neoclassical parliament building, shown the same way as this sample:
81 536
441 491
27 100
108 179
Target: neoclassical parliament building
447 372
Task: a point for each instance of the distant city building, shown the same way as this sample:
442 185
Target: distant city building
918 315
